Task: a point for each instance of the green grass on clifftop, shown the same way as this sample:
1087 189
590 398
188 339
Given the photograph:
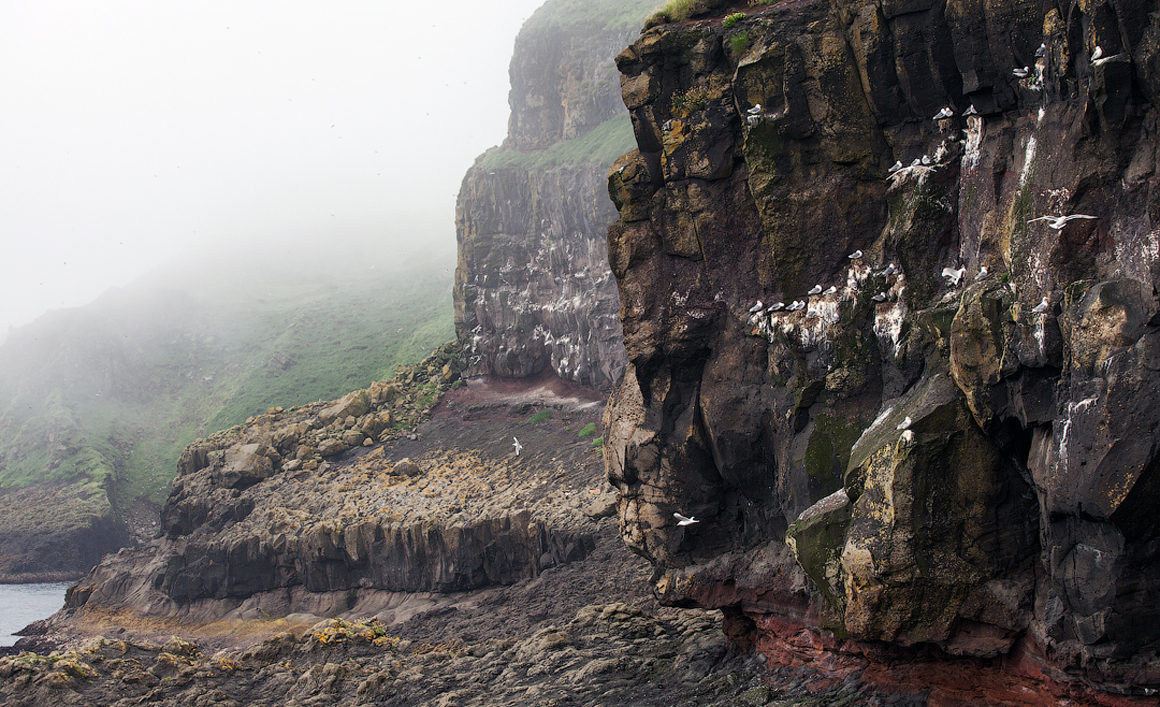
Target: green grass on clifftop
605 14
601 145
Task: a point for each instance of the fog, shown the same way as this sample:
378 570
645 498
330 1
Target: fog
136 131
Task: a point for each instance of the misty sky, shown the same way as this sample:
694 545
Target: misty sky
131 130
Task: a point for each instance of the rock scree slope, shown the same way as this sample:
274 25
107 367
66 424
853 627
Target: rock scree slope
908 402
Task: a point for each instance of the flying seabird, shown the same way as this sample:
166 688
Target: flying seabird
1022 73
944 113
1097 53
970 110
1041 51
855 255
896 166
1041 307
1058 222
815 290
830 290
517 445
777 307
755 109
954 275
880 297
682 520
756 308
982 273
904 425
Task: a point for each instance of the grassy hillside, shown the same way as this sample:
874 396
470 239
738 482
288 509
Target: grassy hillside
99 401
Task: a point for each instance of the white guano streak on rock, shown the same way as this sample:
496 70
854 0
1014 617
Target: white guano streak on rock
888 323
1028 159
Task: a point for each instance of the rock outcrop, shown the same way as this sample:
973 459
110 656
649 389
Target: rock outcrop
362 506
907 403
533 292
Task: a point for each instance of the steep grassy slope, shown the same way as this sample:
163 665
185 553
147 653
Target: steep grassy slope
97 403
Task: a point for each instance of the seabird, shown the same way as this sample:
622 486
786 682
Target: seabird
755 109
668 125
777 307
954 275
682 520
517 445
970 110
1041 307
1097 53
1058 222
1022 73
1115 57
904 425
756 308
830 290
855 255
815 290
896 166
1041 51
917 161
797 304
926 159
890 269
880 297
944 113
982 273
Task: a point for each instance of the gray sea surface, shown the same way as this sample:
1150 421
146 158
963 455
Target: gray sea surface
21 604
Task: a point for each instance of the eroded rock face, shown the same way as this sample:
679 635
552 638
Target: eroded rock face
957 426
533 291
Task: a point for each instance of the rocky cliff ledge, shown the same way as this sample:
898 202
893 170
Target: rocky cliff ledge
915 403
533 291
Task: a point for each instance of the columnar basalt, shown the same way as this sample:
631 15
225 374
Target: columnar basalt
901 394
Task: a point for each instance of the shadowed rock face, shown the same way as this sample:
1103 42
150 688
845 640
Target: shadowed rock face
533 291
902 459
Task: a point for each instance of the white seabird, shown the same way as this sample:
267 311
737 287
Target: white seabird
926 159
954 275
830 290
970 110
1041 307
682 520
890 269
517 445
1058 222
815 290
855 255
1022 73
1097 53
1115 57
982 273
944 113
880 297
896 166
756 308
797 305
755 109
1041 51
777 307
917 161
904 425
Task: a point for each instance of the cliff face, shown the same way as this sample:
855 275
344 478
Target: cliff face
533 292
954 439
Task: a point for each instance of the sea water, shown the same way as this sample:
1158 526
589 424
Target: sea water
21 604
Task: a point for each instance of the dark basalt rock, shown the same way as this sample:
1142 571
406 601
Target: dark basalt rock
954 464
